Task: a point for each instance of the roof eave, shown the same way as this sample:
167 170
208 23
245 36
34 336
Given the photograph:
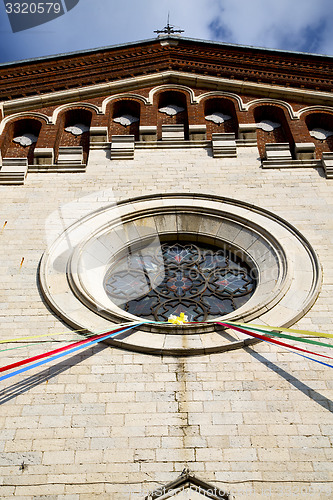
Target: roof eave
163 37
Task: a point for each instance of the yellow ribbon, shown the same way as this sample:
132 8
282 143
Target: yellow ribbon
178 320
279 329
39 336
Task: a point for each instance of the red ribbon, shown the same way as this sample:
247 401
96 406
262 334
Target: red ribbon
61 349
264 337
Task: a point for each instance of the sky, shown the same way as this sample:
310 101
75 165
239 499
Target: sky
296 25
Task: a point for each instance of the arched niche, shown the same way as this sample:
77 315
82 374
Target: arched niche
20 139
320 127
125 118
69 134
279 130
172 99
220 116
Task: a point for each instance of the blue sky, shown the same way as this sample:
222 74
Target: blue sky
297 25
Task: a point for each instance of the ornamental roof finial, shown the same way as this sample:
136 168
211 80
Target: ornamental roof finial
169 29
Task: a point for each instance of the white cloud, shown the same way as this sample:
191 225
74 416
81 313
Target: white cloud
303 25
296 25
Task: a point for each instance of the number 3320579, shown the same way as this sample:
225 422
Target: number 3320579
33 8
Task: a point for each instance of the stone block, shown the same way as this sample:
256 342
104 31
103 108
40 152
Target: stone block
197 132
173 132
70 155
58 457
148 133
327 162
304 150
43 156
122 147
13 170
247 131
98 135
224 145
278 151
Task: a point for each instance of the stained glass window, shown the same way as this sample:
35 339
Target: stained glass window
202 281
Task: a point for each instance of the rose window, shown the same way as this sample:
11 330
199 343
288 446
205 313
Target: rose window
200 280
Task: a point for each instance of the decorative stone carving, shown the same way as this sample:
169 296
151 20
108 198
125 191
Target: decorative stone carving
217 117
320 133
171 109
77 129
73 270
26 139
268 125
126 120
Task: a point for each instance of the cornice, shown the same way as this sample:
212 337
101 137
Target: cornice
170 39
122 86
247 64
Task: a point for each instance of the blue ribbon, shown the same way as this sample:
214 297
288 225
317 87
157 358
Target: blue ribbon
69 351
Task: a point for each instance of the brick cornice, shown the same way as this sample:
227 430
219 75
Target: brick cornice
173 78
245 64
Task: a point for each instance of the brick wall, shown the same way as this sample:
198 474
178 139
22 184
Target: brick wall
292 130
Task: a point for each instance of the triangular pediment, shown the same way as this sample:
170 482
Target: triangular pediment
188 487
150 57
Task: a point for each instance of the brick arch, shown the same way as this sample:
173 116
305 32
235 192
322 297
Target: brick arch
225 106
124 106
236 99
168 96
126 95
71 106
273 102
15 128
192 99
323 120
67 117
282 134
314 109
18 116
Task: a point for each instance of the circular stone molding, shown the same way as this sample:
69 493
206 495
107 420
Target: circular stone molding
286 268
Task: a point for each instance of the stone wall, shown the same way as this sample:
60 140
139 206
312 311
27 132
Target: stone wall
114 424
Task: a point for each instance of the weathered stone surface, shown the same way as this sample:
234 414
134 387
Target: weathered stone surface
107 422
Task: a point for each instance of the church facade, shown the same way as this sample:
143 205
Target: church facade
143 181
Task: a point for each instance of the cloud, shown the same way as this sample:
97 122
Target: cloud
300 25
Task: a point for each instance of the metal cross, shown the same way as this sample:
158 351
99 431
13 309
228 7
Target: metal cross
168 29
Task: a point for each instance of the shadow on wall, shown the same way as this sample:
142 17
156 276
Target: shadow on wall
46 375
74 119
320 127
176 101
125 118
281 132
294 381
226 111
20 139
